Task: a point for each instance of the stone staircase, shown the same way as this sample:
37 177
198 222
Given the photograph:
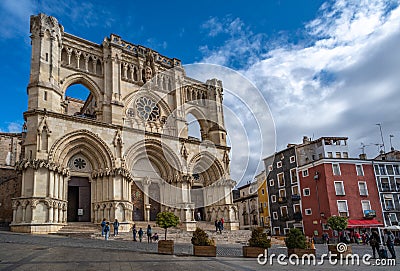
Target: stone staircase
80 230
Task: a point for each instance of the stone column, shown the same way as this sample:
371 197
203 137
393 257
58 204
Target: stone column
147 212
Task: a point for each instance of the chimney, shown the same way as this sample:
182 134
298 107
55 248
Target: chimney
305 140
363 156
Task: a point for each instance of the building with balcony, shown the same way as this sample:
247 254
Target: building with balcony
339 187
283 191
264 218
387 172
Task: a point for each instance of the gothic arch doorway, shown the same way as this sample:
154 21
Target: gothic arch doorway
79 203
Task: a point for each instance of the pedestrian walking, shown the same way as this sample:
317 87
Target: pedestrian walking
106 231
140 233
103 225
389 241
219 226
134 232
148 232
222 223
374 241
116 226
216 225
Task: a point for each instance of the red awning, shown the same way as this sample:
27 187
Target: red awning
352 223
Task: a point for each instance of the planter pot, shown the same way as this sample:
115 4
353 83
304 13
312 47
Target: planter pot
207 251
332 248
166 247
300 251
253 252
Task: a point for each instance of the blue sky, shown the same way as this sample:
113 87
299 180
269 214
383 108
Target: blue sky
326 68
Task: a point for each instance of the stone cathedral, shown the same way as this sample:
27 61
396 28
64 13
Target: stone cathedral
125 152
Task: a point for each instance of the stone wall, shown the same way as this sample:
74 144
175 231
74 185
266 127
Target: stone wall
10 187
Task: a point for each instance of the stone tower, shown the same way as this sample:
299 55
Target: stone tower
123 153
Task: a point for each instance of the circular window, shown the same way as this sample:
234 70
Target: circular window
147 109
79 163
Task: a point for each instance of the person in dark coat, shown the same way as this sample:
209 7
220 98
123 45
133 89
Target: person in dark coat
134 232
148 232
140 233
374 241
219 226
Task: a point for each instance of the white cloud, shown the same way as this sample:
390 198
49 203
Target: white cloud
14 127
343 83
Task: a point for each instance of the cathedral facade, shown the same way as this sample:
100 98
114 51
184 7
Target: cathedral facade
125 152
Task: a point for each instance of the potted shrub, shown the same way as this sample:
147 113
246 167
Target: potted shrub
258 244
202 245
296 243
339 224
166 220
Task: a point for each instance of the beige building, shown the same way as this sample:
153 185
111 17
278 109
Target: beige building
125 151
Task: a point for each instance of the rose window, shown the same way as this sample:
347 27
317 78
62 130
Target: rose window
79 163
147 109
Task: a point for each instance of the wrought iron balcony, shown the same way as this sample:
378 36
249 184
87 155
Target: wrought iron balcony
297 216
295 197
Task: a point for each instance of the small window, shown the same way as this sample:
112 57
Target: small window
279 164
286 230
275 215
293 175
336 169
382 169
284 211
330 155
45 96
270 167
273 198
342 208
271 182
262 191
281 180
365 205
396 169
345 154
292 159
359 170
363 188
389 169
265 205
305 173
308 211
338 154
47 56
376 170
295 190
393 219
282 193
385 184
339 188
306 192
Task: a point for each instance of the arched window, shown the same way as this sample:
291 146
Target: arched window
193 126
80 102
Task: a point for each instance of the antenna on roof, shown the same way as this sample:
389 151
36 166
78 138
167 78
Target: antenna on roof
391 146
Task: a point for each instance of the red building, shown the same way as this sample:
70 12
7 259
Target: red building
339 187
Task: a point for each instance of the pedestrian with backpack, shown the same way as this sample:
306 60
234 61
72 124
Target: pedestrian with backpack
389 241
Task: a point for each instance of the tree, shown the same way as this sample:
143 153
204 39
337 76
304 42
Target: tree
337 223
166 220
259 239
295 239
